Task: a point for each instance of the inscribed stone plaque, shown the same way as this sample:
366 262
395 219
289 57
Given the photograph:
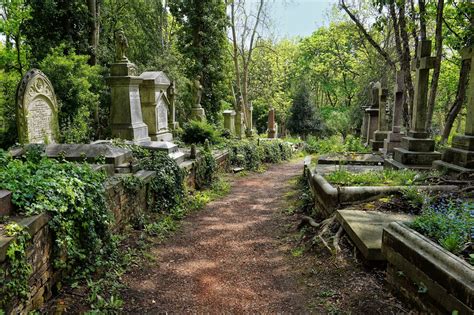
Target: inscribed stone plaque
37 109
162 113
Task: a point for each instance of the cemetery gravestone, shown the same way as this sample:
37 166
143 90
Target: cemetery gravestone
365 119
372 113
125 112
417 149
37 109
229 120
272 129
394 137
173 124
155 104
460 157
382 124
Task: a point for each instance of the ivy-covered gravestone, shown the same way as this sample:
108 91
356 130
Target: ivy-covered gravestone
37 109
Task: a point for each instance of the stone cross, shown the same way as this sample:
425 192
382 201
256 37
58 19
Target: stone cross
271 124
37 109
468 53
422 64
398 101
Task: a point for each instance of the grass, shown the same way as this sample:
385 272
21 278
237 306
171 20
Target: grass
343 177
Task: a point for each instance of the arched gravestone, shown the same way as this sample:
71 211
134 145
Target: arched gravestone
37 109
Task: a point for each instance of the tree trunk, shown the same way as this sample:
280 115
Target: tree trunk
422 6
460 96
437 65
93 6
405 66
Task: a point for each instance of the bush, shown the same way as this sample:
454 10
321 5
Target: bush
197 132
206 169
373 178
335 144
79 88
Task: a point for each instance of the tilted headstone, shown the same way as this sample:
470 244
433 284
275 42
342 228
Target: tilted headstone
460 157
37 109
417 149
155 104
372 112
229 120
394 137
272 128
382 124
126 118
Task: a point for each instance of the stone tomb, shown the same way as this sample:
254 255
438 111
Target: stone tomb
372 113
155 104
416 150
229 120
382 123
37 109
394 137
460 157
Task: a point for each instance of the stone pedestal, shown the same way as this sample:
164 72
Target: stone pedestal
372 122
395 136
198 113
460 157
382 124
249 129
155 104
239 124
272 128
229 120
416 151
125 113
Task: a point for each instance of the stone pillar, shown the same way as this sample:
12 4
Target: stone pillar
382 124
239 124
416 151
272 131
229 120
249 129
372 113
363 129
460 157
394 137
125 112
155 104
171 93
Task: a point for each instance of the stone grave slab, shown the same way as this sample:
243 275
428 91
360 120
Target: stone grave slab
365 229
6 206
90 152
351 158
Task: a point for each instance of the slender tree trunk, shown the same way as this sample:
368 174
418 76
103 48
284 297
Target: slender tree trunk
235 55
93 6
405 66
413 29
437 65
422 6
459 100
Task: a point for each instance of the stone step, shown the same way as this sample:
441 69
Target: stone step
178 156
365 229
165 146
415 158
394 165
417 145
459 157
451 168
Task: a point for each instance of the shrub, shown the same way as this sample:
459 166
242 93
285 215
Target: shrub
335 144
448 221
197 132
372 178
206 169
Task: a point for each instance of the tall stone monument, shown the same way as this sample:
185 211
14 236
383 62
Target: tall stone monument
365 121
382 124
372 113
125 113
272 128
155 104
394 137
37 109
171 92
249 129
229 120
460 157
417 149
197 112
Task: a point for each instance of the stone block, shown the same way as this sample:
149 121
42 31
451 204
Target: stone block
451 168
376 145
464 142
459 157
410 158
6 205
417 145
380 135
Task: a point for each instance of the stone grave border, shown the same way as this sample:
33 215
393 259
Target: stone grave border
324 160
426 274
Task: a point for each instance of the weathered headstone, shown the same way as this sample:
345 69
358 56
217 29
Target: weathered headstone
382 124
197 112
272 128
37 109
229 120
125 112
171 92
372 113
365 121
417 149
239 124
460 157
394 137
155 104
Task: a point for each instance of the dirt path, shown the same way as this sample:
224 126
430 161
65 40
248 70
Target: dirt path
229 257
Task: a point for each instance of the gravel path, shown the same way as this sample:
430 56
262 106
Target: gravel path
228 257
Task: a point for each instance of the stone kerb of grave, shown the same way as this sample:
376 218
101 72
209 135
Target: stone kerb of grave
155 104
460 157
37 109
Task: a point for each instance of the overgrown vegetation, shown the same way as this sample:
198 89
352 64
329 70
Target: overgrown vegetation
197 132
335 144
250 154
343 177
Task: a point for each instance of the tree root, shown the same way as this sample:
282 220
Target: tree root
326 228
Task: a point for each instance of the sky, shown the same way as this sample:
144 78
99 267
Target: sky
299 17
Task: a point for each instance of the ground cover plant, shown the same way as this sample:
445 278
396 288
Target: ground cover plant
342 177
335 144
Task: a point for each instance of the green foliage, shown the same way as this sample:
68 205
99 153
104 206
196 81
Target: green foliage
415 198
8 130
303 119
206 168
79 88
202 40
335 144
197 132
373 178
14 278
448 221
250 154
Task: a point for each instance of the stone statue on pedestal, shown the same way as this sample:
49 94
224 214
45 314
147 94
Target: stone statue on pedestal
197 91
121 47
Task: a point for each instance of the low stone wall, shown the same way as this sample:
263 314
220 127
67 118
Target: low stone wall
124 204
426 274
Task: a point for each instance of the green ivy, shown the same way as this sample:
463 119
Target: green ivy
206 168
